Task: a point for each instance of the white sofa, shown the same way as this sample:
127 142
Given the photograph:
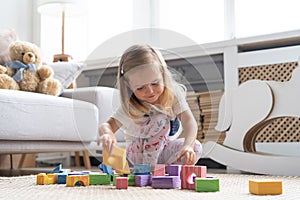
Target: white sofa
34 123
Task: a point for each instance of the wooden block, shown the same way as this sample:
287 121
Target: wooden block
41 179
46 179
62 178
159 170
188 174
166 182
143 180
131 180
77 180
116 159
121 182
100 179
52 178
207 185
114 178
265 187
126 169
174 170
140 169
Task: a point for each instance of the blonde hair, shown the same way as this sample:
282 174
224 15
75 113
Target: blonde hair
136 56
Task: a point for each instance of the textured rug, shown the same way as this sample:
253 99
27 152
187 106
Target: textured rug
232 186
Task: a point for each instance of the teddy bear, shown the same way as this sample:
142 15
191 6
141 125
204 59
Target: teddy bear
25 71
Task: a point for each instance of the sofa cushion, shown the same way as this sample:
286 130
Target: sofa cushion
34 116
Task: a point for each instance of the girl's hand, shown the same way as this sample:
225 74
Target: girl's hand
188 154
108 140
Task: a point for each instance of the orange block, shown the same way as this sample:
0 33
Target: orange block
116 159
265 187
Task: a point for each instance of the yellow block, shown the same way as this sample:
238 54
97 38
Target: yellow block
83 180
265 187
116 159
41 179
52 178
126 169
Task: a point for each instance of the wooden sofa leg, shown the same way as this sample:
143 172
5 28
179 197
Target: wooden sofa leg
86 159
77 159
21 162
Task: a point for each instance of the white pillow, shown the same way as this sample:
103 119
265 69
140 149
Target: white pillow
6 37
66 72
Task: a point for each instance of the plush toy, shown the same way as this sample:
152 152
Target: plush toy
25 72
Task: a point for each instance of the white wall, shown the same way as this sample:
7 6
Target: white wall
20 15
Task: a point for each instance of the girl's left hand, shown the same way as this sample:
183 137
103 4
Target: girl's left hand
188 154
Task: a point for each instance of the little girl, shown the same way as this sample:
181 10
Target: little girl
153 112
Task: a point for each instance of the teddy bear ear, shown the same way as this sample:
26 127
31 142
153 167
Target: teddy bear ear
7 36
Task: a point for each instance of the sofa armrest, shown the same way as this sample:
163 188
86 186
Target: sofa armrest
105 98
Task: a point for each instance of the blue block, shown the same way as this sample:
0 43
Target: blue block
141 169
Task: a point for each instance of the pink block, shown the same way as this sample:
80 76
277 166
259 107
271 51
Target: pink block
121 182
159 170
188 174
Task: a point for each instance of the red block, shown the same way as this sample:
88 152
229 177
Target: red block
121 182
188 175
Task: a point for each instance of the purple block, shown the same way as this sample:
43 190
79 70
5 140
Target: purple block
166 182
174 170
143 180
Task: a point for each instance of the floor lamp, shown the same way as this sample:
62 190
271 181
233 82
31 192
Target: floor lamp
58 7
55 7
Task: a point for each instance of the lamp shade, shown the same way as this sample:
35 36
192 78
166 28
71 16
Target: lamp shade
55 7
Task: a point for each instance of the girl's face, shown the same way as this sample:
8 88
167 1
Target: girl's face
147 84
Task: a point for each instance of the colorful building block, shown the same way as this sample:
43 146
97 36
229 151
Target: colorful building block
126 170
114 178
46 179
139 169
174 170
159 170
265 187
99 179
166 182
121 182
42 179
106 169
116 158
207 184
188 174
143 180
131 180
78 180
62 178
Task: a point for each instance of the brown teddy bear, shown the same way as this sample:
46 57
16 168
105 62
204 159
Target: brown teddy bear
25 72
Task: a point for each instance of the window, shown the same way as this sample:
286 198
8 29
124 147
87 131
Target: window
257 17
200 21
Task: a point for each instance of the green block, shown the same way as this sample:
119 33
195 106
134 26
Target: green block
99 179
207 185
131 180
114 178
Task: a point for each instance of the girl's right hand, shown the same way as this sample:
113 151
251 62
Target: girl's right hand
108 141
